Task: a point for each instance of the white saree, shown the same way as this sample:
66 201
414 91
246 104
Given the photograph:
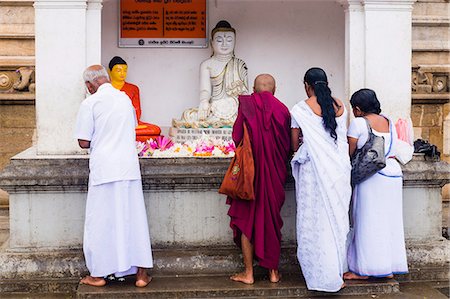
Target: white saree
321 168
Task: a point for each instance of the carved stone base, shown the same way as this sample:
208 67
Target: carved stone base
182 134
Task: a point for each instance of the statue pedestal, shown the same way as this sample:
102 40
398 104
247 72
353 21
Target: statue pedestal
184 134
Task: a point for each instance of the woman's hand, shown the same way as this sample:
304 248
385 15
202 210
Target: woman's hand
296 135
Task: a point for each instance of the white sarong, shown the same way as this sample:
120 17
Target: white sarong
321 168
116 235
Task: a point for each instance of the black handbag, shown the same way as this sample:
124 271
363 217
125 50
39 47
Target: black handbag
369 159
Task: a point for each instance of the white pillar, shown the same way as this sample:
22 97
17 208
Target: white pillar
93 32
68 38
378 51
388 50
354 47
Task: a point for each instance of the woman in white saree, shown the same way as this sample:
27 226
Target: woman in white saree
321 168
378 246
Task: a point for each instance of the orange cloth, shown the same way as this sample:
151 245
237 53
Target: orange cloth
133 93
148 130
144 129
144 138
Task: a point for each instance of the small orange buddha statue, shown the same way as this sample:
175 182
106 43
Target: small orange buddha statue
118 72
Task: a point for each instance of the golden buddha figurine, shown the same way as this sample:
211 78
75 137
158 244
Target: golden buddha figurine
118 72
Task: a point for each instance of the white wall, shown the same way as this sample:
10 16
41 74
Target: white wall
283 38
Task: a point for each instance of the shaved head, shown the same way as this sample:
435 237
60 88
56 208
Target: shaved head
264 82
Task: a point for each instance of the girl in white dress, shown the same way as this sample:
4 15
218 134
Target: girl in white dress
377 248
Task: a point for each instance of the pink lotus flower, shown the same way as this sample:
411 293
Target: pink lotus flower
164 142
229 147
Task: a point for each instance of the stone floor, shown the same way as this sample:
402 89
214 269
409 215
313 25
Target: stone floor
420 290
221 287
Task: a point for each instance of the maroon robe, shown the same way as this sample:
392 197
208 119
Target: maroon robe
268 122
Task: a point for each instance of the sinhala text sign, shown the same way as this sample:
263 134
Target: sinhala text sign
163 23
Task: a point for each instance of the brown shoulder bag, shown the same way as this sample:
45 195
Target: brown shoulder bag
238 182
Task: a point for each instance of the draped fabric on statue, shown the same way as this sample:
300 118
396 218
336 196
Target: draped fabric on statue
133 93
321 168
268 123
231 81
144 130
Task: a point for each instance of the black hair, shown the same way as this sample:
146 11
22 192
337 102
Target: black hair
222 26
366 100
116 60
317 79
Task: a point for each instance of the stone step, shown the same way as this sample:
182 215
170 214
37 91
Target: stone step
221 286
48 285
28 264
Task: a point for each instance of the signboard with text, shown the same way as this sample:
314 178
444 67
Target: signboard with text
163 23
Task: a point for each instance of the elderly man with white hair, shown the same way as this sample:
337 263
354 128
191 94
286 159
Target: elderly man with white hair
116 237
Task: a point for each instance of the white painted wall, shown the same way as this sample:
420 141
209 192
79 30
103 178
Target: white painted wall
283 38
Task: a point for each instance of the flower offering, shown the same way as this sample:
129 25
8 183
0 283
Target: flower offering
164 147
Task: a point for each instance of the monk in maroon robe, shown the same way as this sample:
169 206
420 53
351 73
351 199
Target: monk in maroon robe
257 223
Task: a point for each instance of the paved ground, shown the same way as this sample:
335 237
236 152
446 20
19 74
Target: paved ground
416 290
407 291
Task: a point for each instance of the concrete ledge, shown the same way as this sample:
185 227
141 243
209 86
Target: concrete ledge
28 264
28 172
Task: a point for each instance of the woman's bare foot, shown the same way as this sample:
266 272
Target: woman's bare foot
93 281
343 285
353 276
274 275
243 277
142 278
390 276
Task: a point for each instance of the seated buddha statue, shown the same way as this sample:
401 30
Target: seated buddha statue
223 77
118 72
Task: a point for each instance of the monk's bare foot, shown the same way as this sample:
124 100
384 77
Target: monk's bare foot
142 278
243 277
353 276
93 281
274 275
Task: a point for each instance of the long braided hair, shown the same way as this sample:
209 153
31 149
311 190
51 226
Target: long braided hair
317 79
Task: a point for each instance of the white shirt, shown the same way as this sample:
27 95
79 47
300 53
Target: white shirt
107 119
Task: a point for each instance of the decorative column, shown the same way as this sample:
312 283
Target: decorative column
378 51
93 32
354 47
61 57
388 50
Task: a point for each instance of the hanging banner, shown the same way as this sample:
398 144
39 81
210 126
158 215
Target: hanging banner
163 23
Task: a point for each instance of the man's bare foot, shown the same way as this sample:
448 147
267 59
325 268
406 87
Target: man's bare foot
243 277
93 281
142 278
274 275
353 276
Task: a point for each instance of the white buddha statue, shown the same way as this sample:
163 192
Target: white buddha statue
223 77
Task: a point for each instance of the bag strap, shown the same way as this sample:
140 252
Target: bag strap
245 136
369 128
390 131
